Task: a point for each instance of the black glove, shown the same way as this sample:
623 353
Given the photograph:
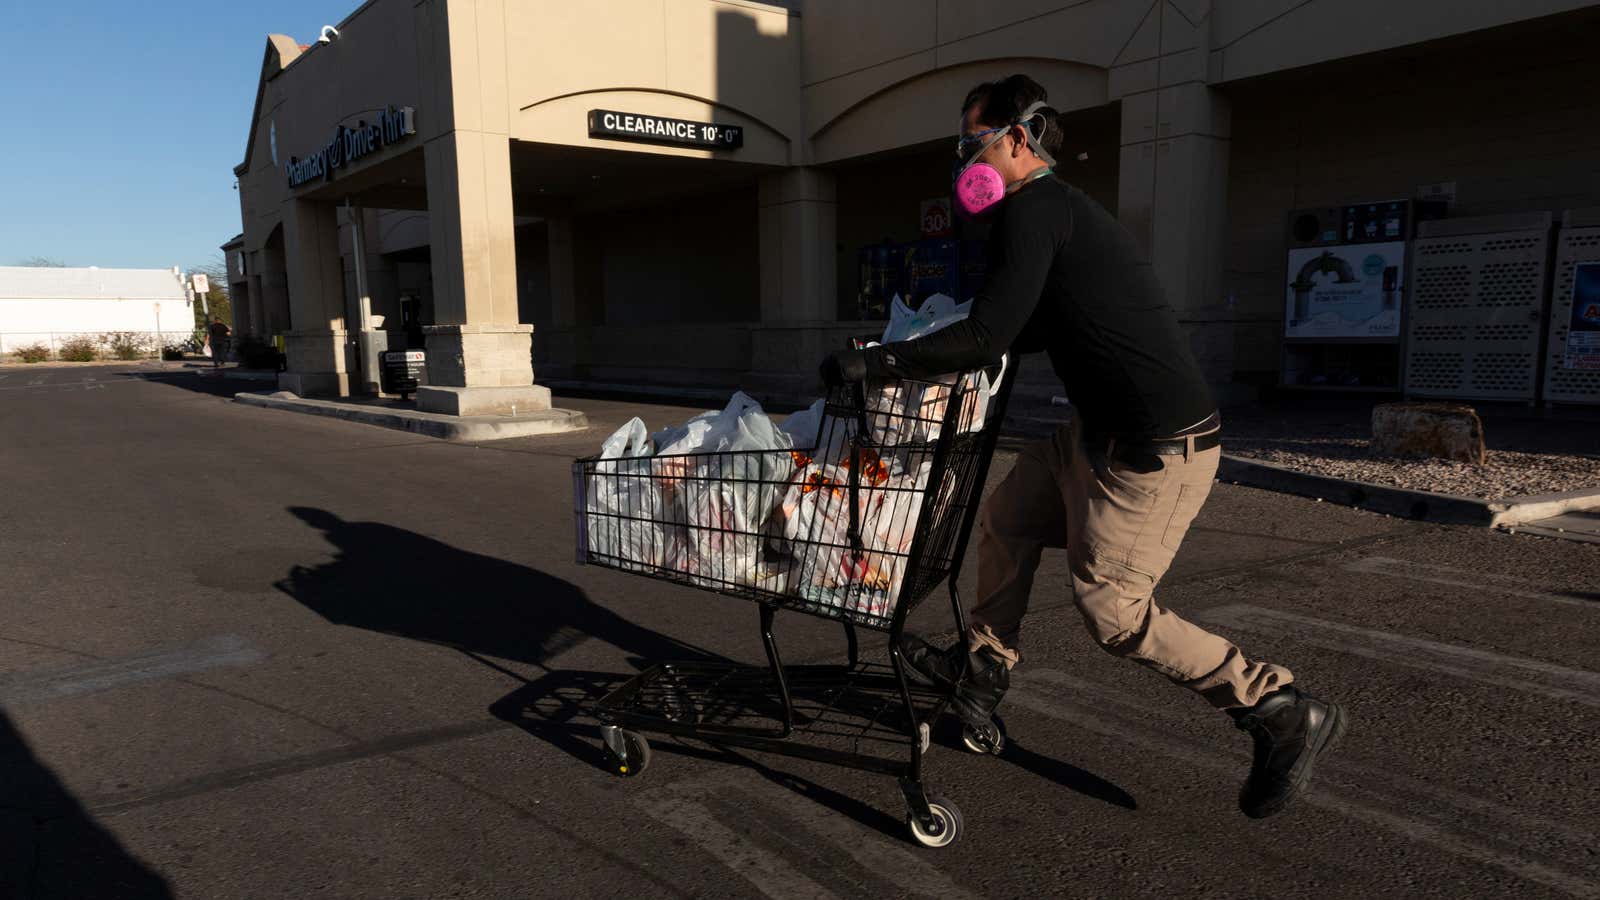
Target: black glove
844 367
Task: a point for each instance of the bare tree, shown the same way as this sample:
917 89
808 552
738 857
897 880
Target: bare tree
42 262
218 298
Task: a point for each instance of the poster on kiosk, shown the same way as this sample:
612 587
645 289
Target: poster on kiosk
1350 289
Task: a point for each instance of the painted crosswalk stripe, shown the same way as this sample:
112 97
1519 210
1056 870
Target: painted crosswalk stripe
1481 581
767 871
1047 692
1482 666
38 685
882 855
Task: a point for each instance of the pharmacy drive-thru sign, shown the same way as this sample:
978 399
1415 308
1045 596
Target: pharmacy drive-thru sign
350 144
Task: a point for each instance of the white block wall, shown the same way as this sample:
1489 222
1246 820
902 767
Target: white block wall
24 322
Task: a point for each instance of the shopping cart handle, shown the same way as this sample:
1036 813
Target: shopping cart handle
858 398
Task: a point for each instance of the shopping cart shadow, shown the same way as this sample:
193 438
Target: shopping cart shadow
558 710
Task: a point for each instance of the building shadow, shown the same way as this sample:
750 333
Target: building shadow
398 582
202 381
49 844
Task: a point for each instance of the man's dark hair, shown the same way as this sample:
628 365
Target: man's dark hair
1000 102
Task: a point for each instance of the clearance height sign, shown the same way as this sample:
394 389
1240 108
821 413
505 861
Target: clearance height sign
626 126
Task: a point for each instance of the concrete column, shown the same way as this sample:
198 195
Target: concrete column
798 215
1173 178
565 330
258 303
480 358
1173 195
316 344
798 218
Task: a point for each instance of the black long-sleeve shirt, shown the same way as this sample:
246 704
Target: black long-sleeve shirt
1065 277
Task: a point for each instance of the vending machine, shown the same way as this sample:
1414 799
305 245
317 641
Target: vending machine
1344 296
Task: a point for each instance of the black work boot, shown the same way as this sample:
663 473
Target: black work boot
1291 730
979 693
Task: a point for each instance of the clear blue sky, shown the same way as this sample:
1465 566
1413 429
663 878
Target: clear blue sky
121 122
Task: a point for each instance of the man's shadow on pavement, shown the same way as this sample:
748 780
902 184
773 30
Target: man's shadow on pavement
50 846
398 582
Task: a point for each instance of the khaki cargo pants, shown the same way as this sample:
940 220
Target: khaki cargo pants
1120 527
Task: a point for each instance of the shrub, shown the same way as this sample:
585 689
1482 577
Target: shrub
126 344
254 353
172 352
34 353
79 349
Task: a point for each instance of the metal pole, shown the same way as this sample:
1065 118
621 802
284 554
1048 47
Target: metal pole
366 347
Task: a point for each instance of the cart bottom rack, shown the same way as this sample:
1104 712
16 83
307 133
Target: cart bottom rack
859 714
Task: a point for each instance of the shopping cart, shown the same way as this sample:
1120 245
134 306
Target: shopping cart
858 528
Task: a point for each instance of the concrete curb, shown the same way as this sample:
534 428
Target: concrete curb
449 428
1449 509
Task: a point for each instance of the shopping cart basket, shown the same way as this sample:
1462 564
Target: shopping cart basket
858 528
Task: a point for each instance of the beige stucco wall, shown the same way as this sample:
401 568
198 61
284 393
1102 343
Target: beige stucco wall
1511 120
708 60
374 63
1201 95
882 61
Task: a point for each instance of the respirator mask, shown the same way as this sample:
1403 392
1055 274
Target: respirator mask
979 187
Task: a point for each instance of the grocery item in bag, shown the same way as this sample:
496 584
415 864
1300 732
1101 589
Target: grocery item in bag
723 491
825 566
904 412
625 515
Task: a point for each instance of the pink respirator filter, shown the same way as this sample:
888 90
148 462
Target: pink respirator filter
979 189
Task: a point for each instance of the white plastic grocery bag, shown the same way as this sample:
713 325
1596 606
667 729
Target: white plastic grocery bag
816 436
897 405
626 512
726 489
824 565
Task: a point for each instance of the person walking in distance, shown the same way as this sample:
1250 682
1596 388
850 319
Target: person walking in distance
1119 485
218 333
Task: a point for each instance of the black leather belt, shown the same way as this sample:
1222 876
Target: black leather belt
1138 452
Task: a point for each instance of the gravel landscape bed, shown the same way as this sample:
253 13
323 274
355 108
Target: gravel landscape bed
1506 474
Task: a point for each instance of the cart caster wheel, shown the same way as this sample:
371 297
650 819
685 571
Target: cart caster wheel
924 737
989 739
944 830
635 758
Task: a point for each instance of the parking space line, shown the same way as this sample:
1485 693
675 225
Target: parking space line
764 869
1470 663
1446 575
1042 692
33 686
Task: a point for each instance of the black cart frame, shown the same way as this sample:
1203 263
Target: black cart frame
893 512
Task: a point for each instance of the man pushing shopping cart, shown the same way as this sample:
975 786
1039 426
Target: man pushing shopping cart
1119 485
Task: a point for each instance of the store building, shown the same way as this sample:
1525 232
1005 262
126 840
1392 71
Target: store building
711 193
